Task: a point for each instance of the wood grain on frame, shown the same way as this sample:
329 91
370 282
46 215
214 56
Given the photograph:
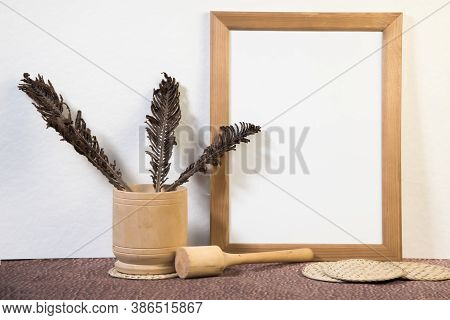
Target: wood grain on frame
219 95
307 21
391 26
391 137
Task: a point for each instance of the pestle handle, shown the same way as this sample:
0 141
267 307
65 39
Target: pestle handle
294 255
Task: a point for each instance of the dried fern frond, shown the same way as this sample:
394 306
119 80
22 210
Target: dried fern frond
226 140
161 126
58 116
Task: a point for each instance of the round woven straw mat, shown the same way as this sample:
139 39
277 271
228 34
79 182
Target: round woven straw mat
116 274
314 271
423 271
360 270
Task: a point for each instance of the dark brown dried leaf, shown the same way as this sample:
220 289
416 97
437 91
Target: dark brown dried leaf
58 116
225 141
161 127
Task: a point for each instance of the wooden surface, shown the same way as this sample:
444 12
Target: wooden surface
391 137
305 21
391 26
205 261
195 262
286 256
322 252
220 65
147 229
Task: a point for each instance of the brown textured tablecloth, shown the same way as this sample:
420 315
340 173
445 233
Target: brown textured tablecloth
88 279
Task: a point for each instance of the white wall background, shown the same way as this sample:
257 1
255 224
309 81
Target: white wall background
54 204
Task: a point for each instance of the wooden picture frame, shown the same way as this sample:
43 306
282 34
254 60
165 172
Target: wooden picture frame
390 24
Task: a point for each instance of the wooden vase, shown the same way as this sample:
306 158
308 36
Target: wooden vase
148 227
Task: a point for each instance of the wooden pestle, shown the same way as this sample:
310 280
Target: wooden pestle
194 262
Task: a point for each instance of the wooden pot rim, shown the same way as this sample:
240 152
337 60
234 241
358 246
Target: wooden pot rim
146 191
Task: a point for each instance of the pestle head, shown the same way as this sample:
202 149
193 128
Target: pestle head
193 262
